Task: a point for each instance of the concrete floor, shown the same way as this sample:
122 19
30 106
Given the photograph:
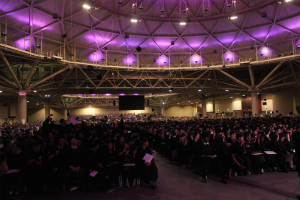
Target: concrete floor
178 183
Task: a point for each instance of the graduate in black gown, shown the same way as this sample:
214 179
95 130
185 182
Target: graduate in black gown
206 150
296 139
148 170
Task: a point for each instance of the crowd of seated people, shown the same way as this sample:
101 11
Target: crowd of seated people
56 156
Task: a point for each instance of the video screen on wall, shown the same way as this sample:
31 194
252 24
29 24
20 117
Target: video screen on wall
131 103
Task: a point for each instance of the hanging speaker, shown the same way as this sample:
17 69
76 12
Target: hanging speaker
152 109
139 49
114 102
147 102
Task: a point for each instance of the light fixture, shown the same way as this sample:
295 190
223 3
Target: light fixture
231 97
182 23
135 94
163 102
162 10
86 6
288 0
298 47
44 105
177 103
233 17
27 101
0 91
122 94
120 2
243 95
171 89
191 103
134 20
34 91
38 46
196 102
199 90
266 107
89 105
37 103
3 33
258 93
226 90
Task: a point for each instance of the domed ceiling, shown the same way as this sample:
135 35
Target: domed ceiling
150 46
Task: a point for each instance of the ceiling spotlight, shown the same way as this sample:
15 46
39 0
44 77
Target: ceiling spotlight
258 93
206 9
86 6
229 5
192 103
34 91
196 61
226 90
163 102
177 103
228 58
64 35
298 47
141 8
199 90
120 2
224 66
288 0
233 17
134 20
89 105
171 89
243 95
231 97
3 34
37 103
162 10
38 46
182 23
0 91
27 101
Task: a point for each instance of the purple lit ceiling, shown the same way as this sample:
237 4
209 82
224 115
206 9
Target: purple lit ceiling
106 29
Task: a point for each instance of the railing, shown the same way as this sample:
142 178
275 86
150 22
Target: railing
37 52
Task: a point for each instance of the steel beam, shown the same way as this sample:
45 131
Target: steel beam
10 70
251 77
30 75
266 79
48 77
88 77
234 79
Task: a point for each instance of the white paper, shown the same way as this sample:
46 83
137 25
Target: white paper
12 171
93 173
257 154
210 156
129 164
73 121
270 152
148 157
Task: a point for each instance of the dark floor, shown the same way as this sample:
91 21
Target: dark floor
178 183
